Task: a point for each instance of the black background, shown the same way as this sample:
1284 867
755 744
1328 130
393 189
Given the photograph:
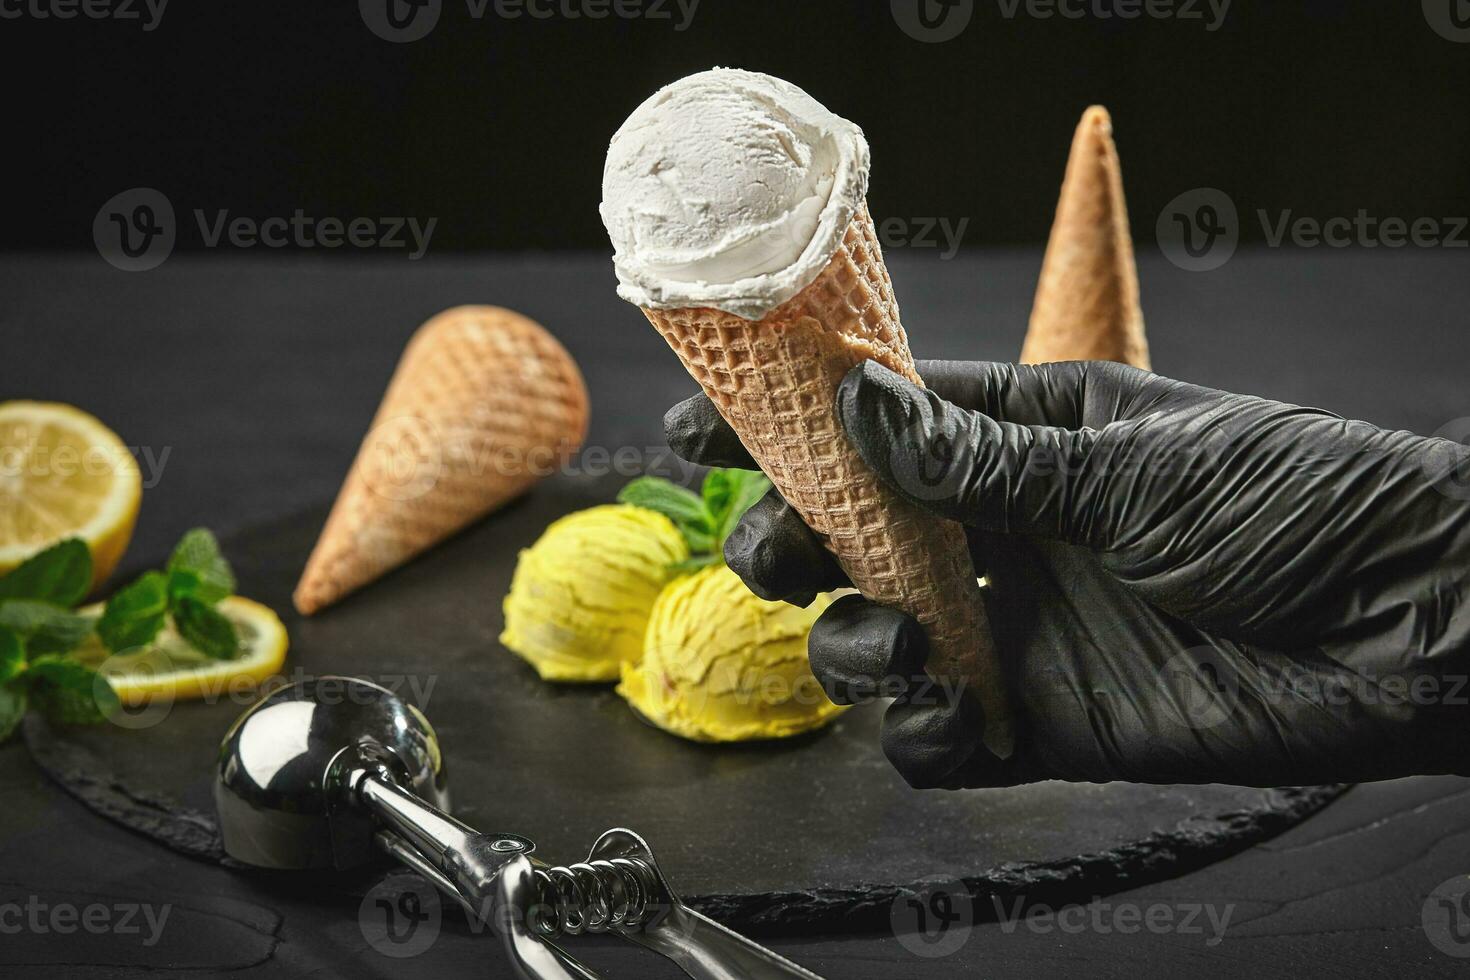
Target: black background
498 127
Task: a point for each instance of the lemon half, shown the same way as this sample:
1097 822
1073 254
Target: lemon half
63 474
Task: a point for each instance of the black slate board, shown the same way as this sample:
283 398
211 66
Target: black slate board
815 831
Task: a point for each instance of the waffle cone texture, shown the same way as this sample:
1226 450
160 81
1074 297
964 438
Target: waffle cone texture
775 381
1087 306
483 404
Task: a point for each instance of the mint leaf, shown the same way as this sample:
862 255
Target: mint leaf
716 490
12 655
12 708
695 564
135 614
657 494
206 629
684 507
46 628
729 494
69 692
61 574
197 569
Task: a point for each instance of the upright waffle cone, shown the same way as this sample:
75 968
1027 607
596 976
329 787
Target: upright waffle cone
1087 305
775 381
484 403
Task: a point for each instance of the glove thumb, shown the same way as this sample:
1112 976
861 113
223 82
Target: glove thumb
966 466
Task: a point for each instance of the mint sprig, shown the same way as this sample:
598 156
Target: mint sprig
40 627
196 577
60 688
70 692
705 518
684 507
46 627
206 629
135 614
61 575
198 570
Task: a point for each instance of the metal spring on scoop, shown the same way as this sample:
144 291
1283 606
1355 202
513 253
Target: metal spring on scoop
595 896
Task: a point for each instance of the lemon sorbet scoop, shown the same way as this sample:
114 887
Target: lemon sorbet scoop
581 595
723 665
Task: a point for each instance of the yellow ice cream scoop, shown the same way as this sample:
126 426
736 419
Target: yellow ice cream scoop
722 665
580 598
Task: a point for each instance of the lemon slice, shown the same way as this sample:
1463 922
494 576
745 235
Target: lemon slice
63 474
172 669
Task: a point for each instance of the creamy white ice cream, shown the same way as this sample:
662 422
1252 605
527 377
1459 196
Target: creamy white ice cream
729 189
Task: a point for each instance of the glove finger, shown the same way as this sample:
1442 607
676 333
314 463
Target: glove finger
931 735
1026 394
695 431
778 557
964 465
1070 394
860 650
985 770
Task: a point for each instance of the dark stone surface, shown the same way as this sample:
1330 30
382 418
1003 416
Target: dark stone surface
98 785
257 377
816 831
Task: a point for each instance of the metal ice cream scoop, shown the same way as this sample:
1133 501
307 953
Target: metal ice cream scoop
336 772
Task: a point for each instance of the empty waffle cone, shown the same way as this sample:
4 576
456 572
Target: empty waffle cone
1087 306
775 381
483 404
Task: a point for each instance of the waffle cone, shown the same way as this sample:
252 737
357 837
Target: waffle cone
484 402
775 381
1087 306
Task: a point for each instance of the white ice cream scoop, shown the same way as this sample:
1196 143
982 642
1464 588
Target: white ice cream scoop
729 189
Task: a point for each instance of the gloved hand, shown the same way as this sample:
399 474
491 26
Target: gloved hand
1185 585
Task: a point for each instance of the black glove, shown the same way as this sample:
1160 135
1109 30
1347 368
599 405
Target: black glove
1185 585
